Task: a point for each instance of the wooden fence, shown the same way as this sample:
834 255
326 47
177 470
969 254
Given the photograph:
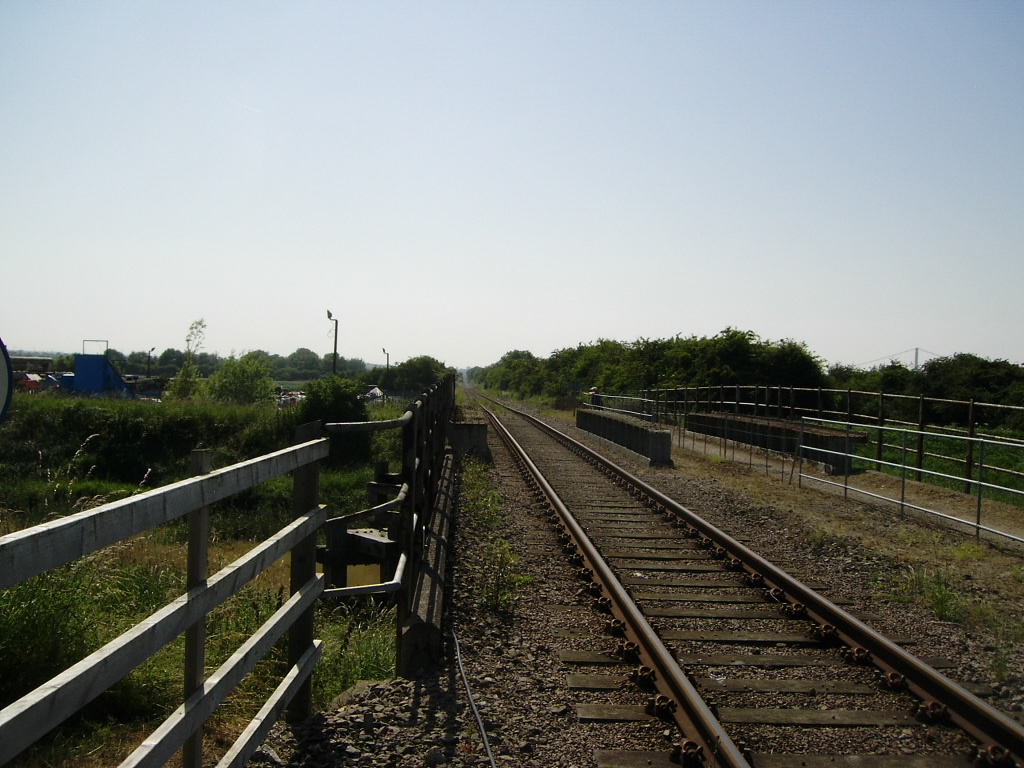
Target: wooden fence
35 550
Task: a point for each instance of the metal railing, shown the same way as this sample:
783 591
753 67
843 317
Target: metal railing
868 409
418 485
902 468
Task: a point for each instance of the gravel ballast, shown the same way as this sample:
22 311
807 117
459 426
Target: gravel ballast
856 550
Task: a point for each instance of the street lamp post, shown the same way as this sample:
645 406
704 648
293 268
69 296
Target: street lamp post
388 361
149 359
334 367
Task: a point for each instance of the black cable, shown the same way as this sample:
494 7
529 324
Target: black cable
472 703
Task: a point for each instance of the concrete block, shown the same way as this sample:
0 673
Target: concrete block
637 436
469 438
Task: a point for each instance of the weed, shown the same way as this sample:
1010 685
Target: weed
47 623
969 550
500 578
1001 664
480 505
359 644
936 591
823 541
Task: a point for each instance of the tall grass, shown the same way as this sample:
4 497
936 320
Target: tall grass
359 644
480 509
55 450
59 455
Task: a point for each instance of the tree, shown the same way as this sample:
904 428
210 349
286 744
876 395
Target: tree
171 358
304 363
137 362
415 375
242 381
117 360
333 400
187 383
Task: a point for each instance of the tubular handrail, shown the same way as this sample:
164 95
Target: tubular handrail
979 483
676 405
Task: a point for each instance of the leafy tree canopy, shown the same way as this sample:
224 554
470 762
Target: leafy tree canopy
414 376
332 399
242 381
731 357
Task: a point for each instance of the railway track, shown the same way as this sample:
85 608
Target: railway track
744 665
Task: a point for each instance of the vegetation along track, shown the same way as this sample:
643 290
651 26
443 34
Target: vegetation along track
679 594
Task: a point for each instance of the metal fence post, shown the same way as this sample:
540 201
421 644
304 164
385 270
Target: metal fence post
981 475
847 462
903 479
920 439
969 463
800 455
881 432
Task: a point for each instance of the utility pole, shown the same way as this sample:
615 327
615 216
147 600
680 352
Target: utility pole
334 367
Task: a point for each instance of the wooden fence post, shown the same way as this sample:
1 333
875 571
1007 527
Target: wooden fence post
305 496
195 636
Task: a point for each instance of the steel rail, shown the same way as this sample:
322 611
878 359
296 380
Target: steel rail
706 742
942 699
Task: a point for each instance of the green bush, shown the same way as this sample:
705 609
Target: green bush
336 400
55 450
244 381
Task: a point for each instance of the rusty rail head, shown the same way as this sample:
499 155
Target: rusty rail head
698 727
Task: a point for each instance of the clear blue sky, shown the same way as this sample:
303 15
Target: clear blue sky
462 179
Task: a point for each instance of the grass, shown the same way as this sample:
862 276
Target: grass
480 507
823 541
359 643
947 456
938 589
500 579
52 464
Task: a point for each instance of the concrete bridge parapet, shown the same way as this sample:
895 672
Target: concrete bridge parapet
635 435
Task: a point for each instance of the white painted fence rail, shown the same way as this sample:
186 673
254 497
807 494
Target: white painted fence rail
32 551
